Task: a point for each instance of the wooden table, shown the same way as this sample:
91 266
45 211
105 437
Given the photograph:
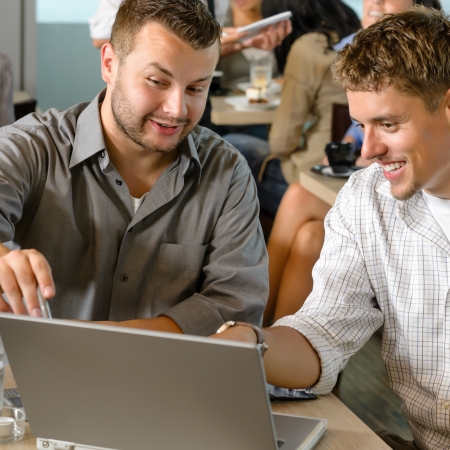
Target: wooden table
224 114
345 431
326 188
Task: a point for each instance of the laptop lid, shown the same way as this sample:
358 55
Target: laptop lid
122 388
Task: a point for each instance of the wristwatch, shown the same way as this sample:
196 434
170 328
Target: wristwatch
259 333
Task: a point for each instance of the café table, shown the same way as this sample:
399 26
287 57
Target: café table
326 188
225 114
345 430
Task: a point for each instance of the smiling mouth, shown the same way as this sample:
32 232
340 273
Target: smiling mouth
376 14
390 168
167 126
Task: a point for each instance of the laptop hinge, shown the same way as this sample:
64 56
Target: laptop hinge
52 444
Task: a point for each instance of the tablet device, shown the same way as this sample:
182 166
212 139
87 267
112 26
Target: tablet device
255 28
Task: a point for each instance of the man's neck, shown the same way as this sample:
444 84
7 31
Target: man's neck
138 167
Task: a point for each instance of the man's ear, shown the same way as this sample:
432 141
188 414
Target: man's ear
108 63
447 101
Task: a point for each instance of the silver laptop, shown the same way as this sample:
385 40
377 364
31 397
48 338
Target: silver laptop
89 386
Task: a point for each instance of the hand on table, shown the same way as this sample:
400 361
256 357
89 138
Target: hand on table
21 272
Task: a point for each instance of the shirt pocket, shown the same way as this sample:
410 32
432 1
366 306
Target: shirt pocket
178 273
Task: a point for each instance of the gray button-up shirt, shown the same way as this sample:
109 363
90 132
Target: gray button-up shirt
194 250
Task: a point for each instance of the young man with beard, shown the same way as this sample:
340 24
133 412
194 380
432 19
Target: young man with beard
386 255
123 209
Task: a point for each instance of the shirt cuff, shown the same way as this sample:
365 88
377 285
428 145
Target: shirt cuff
331 361
196 316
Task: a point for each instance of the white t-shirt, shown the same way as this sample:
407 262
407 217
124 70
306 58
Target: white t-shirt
137 202
101 22
440 209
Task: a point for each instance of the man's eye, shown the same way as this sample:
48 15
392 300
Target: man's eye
156 82
360 125
196 90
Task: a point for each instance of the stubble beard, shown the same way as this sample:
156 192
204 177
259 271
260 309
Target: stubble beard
412 190
133 127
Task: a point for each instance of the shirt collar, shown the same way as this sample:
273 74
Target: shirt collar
403 206
188 151
89 134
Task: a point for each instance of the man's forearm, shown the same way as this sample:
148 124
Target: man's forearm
156 324
291 361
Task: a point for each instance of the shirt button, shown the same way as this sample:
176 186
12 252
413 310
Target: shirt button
446 405
124 277
118 182
102 154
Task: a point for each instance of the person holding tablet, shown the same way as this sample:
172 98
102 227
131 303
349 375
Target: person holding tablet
302 123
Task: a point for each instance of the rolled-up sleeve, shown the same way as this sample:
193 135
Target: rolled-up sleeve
234 276
341 313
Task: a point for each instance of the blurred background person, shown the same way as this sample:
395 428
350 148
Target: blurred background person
302 123
6 91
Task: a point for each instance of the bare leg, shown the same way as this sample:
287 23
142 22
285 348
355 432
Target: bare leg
297 207
296 282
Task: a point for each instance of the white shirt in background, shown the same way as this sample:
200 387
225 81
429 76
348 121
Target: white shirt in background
101 22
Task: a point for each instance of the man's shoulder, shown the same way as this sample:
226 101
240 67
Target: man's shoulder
370 178
212 149
365 186
63 122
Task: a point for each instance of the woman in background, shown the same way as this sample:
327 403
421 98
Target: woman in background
302 123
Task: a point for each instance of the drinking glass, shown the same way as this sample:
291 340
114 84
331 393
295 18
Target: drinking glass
261 71
2 371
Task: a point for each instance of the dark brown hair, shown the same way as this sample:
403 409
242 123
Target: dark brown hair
190 20
409 51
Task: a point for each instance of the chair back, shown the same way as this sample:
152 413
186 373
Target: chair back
340 121
23 108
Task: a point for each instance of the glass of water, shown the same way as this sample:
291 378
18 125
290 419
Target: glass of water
2 372
261 71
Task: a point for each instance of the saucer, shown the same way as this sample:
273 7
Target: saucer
327 171
241 103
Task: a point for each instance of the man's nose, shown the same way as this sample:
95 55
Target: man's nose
373 145
175 103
